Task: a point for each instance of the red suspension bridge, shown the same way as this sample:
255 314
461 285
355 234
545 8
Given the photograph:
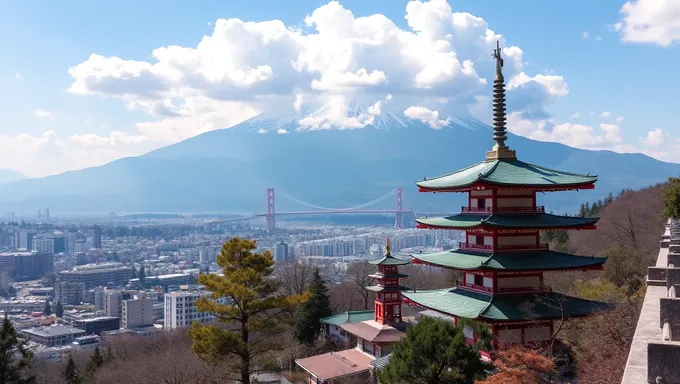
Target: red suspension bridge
311 209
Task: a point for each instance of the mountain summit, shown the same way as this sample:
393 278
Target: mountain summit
229 170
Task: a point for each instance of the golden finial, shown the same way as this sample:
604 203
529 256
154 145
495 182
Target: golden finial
387 246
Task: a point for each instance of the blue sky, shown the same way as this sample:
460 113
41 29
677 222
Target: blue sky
623 68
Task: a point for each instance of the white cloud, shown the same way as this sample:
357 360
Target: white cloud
575 116
42 114
584 34
299 100
606 114
654 138
281 131
441 54
241 68
650 21
620 119
598 38
114 138
17 76
427 116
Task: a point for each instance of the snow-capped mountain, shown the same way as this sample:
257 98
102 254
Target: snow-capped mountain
334 154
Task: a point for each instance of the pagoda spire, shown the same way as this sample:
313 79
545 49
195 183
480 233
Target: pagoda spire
387 247
500 150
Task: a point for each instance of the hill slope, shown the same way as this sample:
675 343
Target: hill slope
7 176
229 170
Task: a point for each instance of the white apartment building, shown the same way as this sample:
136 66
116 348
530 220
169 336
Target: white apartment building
137 312
180 309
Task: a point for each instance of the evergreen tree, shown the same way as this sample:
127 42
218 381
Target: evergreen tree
583 210
609 199
47 310
96 360
109 353
436 352
59 309
70 372
142 276
308 325
671 207
15 356
256 316
593 210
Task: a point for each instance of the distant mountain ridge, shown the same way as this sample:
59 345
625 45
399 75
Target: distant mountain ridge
8 175
229 170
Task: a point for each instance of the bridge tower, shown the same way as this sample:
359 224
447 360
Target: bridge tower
399 214
271 212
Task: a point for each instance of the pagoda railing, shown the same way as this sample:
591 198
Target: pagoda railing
462 284
524 247
476 209
539 209
464 245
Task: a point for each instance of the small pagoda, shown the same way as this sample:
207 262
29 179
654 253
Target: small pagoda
374 338
502 258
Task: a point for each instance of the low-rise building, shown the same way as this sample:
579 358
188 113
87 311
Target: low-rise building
53 336
97 325
137 313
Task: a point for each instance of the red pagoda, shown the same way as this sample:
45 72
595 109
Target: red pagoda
502 257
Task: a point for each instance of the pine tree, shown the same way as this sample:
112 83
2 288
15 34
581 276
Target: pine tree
70 372
308 325
47 310
583 210
258 314
609 199
96 360
435 351
109 353
142 276
59 309
14 344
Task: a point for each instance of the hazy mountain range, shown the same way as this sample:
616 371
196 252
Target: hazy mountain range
7 176
229 170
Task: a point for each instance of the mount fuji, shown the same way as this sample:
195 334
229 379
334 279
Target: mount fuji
333 154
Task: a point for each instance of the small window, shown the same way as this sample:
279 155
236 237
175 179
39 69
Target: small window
479 280
481 203
479 240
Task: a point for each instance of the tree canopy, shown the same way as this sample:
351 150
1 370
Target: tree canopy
59 309
435 351
256 313
15 356
520 365
672 198
47 309
308 325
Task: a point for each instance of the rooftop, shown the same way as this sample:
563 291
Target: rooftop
372 331
336 364
507 307
349 317
55 330
499 220
507 172
541 260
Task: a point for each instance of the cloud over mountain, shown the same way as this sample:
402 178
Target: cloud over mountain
443 55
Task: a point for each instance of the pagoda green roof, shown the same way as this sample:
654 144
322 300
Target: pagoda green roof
387 288
507 172
512 221
539 260
506 307
388 260
348 317
380 275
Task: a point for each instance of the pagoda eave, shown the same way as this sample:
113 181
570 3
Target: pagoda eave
480 185
417 261
495 227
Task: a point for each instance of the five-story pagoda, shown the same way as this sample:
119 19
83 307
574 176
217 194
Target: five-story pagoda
502 257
